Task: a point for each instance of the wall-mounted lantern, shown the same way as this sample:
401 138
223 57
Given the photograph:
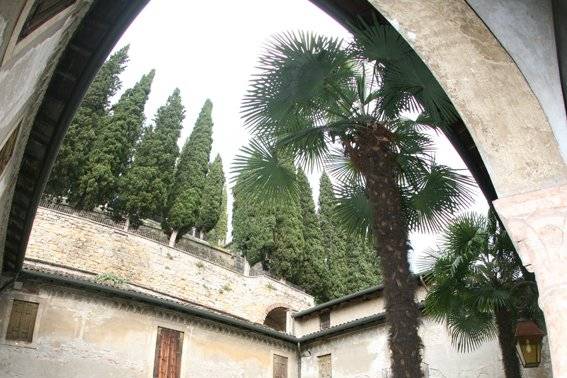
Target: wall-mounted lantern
528 343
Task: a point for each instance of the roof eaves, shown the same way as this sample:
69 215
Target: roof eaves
344 327
163 303
337 301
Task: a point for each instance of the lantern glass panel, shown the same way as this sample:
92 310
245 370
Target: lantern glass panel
529 351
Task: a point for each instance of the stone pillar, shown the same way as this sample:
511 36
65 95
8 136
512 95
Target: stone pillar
537 224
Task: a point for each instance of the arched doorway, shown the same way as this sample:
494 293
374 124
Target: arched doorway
277 319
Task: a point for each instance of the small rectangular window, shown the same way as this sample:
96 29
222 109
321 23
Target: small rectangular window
7 150
280 366
41 12
168 353
325 366
22 321
325 320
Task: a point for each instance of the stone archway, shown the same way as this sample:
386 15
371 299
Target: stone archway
500 110
277 317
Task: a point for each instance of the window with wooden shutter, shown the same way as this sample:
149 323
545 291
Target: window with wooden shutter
325 366
42 11
168 353
7 150
22 321
325 320
280 366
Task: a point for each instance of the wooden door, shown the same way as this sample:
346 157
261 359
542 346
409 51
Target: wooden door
280 366
168 353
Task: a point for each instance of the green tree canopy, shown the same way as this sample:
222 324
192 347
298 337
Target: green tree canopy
211 202
217 236
190 175
315 95
311 272
113 147
144 187
476 287
77 144
333 238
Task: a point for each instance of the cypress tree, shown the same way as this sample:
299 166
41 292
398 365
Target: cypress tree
113 147
217 236
78 141
253 227
333 239
190 176
350 260
311 272
268 234
288 242
144 187
363 264
211 203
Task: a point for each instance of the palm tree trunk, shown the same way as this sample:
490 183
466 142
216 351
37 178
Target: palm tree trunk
377 163
505 322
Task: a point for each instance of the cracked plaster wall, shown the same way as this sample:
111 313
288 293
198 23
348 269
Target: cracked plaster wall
87 335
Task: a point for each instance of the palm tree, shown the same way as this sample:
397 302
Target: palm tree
320 102
477 287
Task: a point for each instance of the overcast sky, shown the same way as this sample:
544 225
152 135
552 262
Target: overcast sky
209 50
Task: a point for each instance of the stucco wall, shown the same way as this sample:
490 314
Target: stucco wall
365 354
86 245
525 29
87 335
25 68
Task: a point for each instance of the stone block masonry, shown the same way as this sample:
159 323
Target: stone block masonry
81 244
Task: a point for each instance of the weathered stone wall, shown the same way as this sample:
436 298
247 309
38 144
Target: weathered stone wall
84 335
79 243
25 68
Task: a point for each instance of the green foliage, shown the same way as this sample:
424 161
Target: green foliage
144 187
475 274
190 174
351 262
314 95
212 200
266 234
110 278
113 147
310 271
78 141
217 236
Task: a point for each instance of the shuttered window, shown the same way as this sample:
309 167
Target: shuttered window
22 321
168 353
325 320
8 150
280 366
325 366
41 11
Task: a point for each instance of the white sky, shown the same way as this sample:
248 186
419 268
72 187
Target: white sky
209 50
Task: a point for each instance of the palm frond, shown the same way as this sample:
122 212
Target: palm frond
440 192
263 173
377 42
341 167
353 209
301 78
469 328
